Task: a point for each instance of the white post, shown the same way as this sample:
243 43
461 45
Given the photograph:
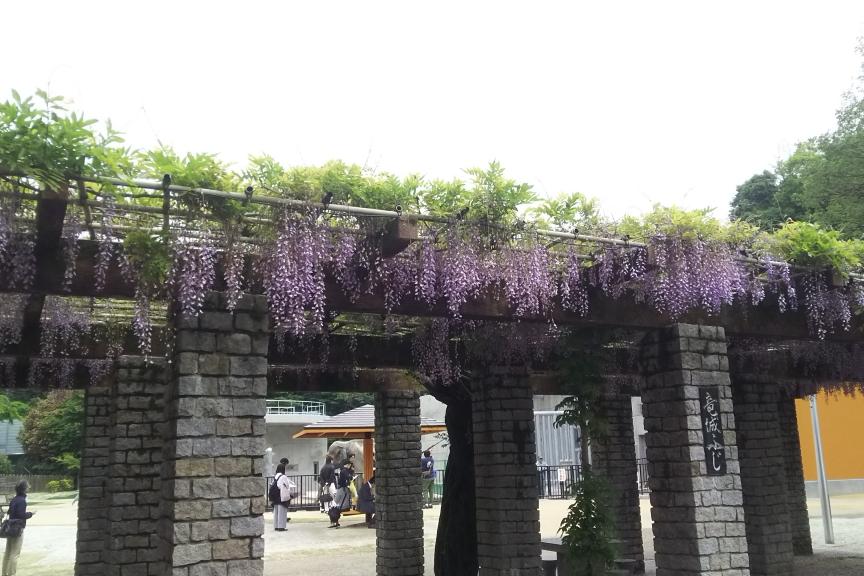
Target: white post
820 474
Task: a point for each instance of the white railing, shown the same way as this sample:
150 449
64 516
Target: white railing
288 407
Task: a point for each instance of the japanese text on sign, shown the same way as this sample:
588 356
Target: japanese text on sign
712 432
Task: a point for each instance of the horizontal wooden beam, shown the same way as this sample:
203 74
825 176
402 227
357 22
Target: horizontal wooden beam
763 321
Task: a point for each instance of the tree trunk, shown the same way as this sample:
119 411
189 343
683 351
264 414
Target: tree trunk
456 544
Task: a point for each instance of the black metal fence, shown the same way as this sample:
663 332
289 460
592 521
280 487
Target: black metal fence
555 482
308 491
558 482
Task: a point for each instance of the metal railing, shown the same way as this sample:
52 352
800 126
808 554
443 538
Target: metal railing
642 475
288 407
308 491
558 482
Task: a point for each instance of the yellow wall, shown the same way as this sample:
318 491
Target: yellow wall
840 418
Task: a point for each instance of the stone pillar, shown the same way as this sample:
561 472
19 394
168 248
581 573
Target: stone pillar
134 475
93 503
505 475
796 495
212 488
763 477
398 486
698 519
614 458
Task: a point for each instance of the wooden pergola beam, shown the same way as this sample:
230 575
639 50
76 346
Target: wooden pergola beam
50 215
761 322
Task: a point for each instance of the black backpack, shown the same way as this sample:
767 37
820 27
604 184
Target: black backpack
274 493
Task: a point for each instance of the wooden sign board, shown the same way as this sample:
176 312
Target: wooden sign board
712 431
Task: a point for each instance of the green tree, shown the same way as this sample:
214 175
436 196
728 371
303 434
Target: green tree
822 181
11 409
6 465
756 201
54 425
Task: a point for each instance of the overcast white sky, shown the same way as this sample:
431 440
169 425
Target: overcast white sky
632 102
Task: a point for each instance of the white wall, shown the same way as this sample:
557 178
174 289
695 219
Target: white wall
302 452
432 408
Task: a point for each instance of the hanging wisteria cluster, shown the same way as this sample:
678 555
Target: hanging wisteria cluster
63 328
194 267
446 270
673 274
71 234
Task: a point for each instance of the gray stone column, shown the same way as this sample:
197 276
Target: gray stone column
763 477
614 458
505 475
796 495
212 488
134 475
93 501
698 519
398 486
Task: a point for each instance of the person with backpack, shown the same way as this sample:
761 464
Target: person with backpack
427 473
280 495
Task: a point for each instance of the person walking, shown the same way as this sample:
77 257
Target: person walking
18 516
366 501
280 508
327 482
427 473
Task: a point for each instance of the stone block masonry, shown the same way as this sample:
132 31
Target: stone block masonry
398 486
763 476
614 459
93 504
796 495
699 520
119 498
212 487
505 475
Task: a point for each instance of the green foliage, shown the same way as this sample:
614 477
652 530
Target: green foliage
62 485
345 183
150 255
54 425
568 211
688 224
756 201
579 373
6 465
808 244
445 198
495 198
195 171
11 410
822 181
588 529
69 461
40 136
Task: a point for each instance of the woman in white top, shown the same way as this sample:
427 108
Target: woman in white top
280 510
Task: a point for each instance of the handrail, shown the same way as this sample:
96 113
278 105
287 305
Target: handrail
287 407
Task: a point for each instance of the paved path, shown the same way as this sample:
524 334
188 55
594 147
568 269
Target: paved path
308 547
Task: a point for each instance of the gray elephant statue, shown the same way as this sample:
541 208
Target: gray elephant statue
340 450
